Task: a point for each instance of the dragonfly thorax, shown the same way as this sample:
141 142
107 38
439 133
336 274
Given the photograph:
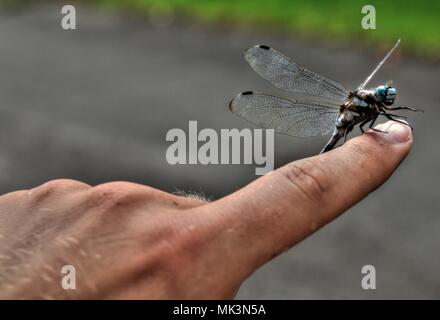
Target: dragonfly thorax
362 99
382 95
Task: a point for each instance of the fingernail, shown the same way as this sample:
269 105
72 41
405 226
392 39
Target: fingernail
396 132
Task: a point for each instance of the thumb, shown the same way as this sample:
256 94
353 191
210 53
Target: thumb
280 209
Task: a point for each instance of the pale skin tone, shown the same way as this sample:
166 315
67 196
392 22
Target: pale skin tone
133 241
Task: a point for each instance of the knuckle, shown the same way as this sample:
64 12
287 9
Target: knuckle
14 195
119 193
120 206
55 187
308 178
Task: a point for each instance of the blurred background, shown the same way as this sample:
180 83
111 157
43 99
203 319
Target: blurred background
95 105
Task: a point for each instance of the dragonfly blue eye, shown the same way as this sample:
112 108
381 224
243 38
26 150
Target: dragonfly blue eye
386 94
392 91
381 92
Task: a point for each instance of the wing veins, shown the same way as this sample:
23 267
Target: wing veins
293 117
286 74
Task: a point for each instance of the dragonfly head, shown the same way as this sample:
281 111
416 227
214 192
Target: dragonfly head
386 94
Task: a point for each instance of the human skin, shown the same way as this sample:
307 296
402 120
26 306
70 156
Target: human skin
130 241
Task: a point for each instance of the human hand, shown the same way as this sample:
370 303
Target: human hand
132 241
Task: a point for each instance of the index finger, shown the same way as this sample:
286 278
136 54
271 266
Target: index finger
280 209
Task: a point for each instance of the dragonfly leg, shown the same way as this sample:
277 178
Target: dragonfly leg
372 126
396 115
363 123
390 116
347 131
402 108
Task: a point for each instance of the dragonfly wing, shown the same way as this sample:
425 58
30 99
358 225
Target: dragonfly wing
288 75
292 117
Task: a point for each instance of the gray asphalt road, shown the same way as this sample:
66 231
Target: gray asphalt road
95 105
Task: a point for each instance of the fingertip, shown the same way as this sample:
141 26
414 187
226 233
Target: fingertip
377 153
386 141
394 132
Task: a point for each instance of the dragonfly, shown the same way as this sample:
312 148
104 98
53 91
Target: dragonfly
330 106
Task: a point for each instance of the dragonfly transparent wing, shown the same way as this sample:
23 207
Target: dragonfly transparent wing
292 117
288 75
